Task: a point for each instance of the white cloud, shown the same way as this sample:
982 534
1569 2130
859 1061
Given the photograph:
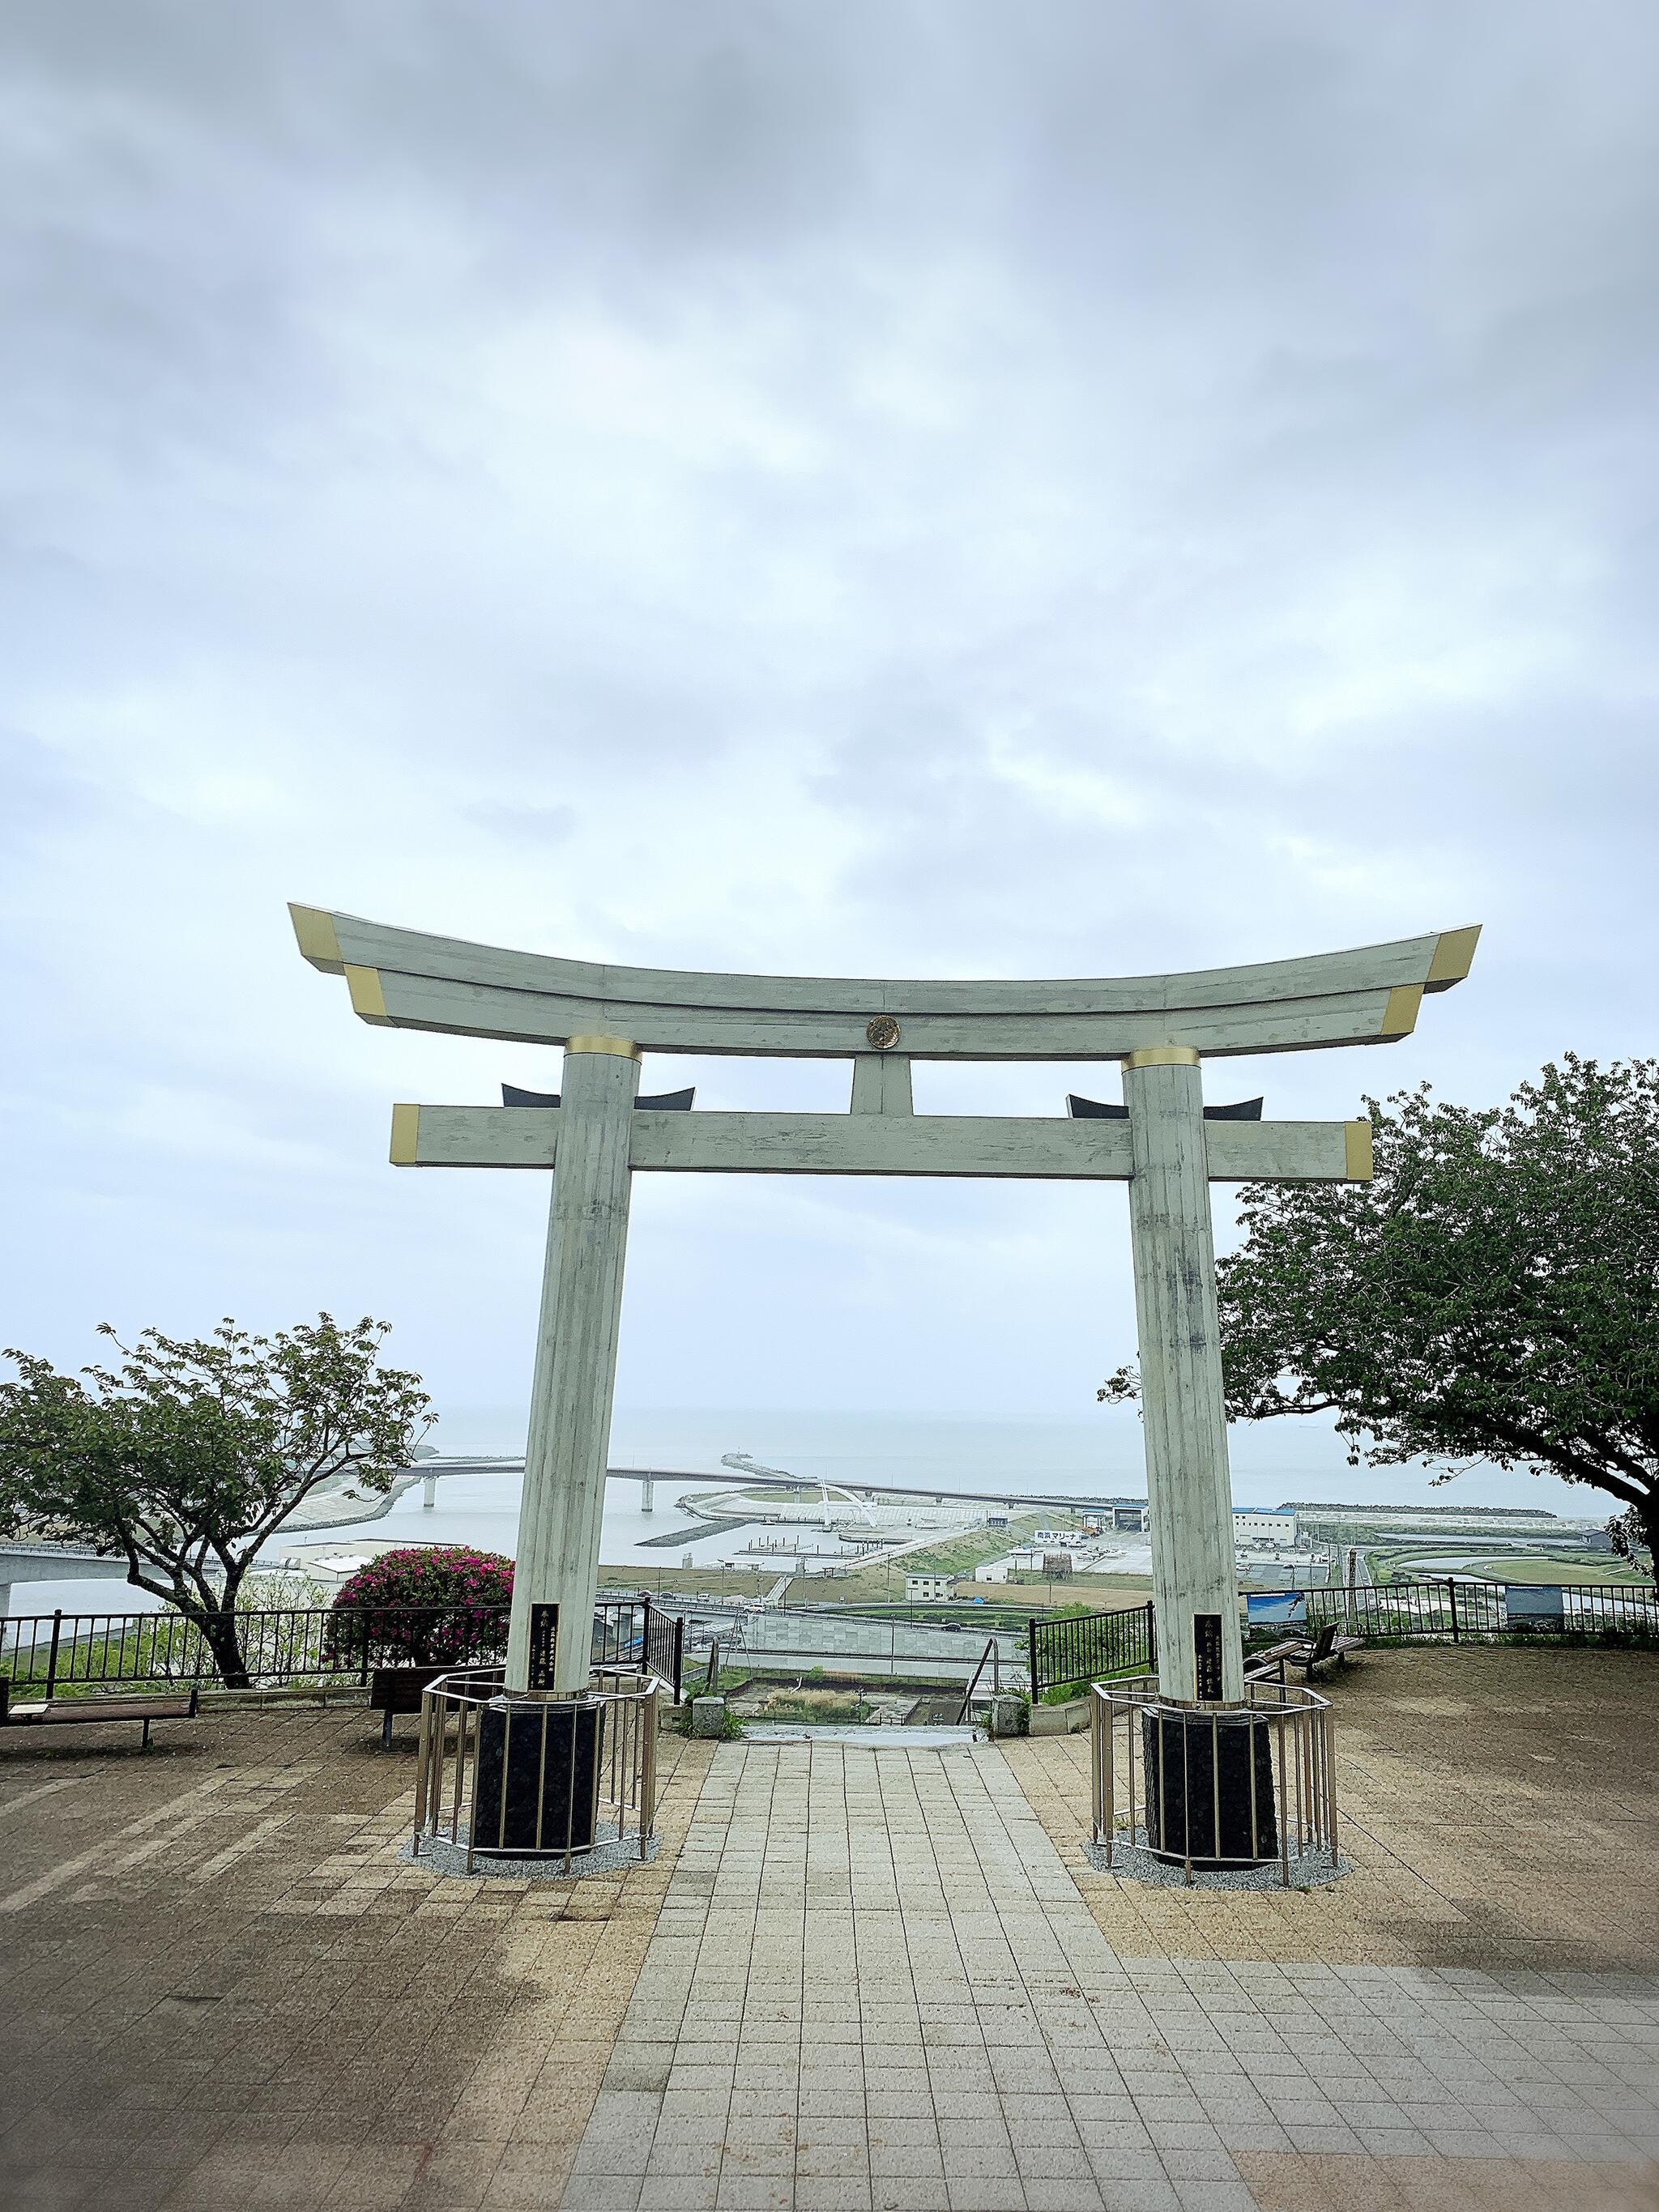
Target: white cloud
1078 492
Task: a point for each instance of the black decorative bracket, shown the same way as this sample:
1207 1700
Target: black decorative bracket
666 1102
1095 1110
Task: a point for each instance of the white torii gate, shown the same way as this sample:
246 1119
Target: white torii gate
1160 1028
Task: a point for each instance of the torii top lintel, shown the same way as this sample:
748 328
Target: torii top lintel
405 979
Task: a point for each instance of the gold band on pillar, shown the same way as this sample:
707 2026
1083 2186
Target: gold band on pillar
620 1046
406 1136
1164 1056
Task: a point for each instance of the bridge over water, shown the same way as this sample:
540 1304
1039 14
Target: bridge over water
1071 1501
23 1561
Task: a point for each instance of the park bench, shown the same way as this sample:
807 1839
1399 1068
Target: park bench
60 1712
394 1689
1306 1652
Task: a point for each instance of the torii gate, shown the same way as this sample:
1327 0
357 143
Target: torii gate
1160 1142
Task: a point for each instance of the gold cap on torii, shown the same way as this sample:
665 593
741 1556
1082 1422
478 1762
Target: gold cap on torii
624 1048
1162 1056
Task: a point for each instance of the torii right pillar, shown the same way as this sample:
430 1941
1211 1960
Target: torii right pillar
1209 1795
1188 1494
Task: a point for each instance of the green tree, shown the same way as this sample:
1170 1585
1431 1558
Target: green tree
188 1455
1630 1540
1492 1294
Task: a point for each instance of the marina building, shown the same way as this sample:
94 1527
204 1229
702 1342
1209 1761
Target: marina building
1252 1526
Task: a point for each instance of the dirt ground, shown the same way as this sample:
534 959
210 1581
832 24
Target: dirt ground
1501 1807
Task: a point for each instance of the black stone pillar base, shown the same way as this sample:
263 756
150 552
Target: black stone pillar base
1201 1804
535 1790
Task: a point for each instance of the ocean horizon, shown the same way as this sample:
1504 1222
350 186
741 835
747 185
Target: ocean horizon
1272 1464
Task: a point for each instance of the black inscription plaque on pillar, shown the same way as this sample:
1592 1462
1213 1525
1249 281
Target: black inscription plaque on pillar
1206 1652
543 1637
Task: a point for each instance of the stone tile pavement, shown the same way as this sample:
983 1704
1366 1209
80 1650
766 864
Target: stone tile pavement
875 1987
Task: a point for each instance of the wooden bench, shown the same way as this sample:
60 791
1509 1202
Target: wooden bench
1304 1651
60 1712
393 1689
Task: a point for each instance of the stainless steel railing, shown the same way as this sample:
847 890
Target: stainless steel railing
602 1770
1300 1813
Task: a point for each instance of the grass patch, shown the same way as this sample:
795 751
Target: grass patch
1541 1567
711 1582
882 1582
1406 1562
826 1707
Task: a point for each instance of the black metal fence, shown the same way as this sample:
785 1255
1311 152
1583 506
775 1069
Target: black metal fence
1468 1612
1087 1647
664 1644
635 1631
48 1654
1081 1648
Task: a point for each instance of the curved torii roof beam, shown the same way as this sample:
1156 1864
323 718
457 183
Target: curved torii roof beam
405 979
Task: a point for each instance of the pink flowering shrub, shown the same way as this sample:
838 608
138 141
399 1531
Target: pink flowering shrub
427 1605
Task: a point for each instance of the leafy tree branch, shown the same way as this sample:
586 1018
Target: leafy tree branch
1492 1294
185 1455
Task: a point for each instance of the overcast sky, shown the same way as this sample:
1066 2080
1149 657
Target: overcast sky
881 488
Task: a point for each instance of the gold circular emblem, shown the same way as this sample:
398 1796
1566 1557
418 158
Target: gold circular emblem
882 1032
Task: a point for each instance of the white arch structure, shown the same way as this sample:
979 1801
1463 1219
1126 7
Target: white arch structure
1159 1028
743 1465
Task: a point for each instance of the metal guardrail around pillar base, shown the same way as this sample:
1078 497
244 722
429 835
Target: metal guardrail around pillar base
588 1785
1285 1802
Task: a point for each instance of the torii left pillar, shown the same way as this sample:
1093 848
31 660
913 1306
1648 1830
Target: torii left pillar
1188 1492
569 1446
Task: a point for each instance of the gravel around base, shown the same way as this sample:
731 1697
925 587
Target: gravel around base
1308 1869
439 1856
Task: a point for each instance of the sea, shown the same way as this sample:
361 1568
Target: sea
1272 1463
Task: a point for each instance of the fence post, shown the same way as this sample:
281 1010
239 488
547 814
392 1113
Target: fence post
1032 1643
647 1775
1151 1637
362 1671
679 1653
51 1655
1451 1588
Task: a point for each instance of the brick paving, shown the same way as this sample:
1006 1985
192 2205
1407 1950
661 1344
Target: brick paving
882 1980
220 1986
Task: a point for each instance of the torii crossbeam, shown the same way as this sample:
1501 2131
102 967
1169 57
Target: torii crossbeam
1160 1028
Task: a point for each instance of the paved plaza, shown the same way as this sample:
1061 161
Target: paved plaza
853 1977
